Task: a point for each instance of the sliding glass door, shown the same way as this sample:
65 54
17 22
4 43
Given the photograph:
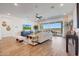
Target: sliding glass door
55 27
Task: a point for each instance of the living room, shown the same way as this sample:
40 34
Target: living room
33 27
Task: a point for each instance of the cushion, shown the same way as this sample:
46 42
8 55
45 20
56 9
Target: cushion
26 33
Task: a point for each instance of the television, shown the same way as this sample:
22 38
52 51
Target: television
26 27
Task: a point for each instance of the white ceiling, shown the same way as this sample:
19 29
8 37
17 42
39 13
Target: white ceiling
28 10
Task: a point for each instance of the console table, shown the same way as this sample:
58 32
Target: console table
74 38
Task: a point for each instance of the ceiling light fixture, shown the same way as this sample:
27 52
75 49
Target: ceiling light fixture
52 6
64 13
61 4
15 4
9 14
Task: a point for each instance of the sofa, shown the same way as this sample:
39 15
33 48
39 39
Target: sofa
23 35
41 37
26 33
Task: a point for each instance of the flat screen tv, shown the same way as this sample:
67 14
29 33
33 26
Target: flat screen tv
52 25
26 27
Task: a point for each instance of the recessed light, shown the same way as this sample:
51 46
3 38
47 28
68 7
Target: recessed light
61 4
9 14
15 4
64 13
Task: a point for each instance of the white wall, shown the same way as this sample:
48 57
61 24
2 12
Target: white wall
14 23
75 17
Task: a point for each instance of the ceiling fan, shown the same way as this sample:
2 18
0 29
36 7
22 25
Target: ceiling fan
38 17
